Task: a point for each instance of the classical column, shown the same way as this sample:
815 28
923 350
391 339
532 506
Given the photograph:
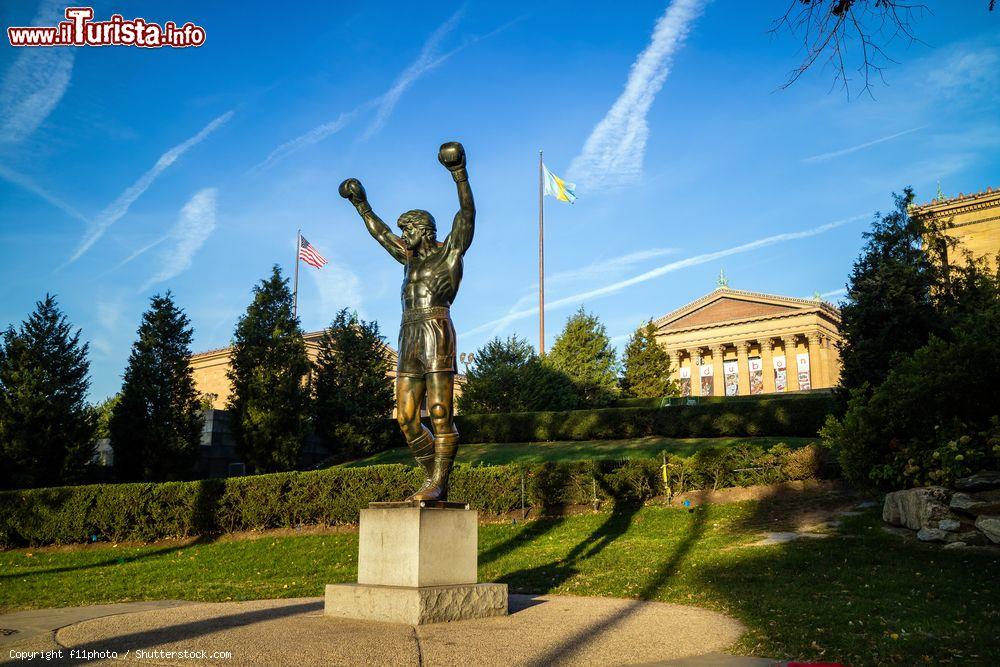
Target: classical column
767 362
817 369
719 378
743 367
675 365
695 371
791 365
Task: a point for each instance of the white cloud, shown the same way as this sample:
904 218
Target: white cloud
844 151
601 269
613 288
313 136
35 82
195 224
338 287
109 314
120 206
613 153
425 62
428 59
965 72
27 184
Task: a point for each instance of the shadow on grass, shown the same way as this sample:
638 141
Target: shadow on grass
556 573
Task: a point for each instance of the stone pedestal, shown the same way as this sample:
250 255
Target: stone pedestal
416 565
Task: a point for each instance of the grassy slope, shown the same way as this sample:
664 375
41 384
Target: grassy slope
534 452
860 597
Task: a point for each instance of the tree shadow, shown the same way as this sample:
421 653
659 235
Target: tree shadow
190 630
563 651
553 574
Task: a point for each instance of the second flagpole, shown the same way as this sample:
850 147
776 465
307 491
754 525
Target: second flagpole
295 292
541 259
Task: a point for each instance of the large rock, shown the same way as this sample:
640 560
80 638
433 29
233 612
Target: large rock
986 502
990 526
969 537
917 508
983 481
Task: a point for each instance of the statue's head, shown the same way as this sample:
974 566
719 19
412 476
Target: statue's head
419 229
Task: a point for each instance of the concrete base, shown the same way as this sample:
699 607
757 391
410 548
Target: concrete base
416 605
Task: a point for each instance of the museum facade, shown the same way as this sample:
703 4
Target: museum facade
973 221
737 343
210 368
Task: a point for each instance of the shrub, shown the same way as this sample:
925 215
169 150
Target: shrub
144 512
802 416
933 419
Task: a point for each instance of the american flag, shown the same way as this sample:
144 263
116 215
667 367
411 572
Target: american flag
309 254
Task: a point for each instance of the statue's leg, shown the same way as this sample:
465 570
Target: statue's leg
440 396
409 397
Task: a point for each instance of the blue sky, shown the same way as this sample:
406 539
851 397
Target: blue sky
125 172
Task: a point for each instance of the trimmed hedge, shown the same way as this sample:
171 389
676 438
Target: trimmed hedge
799 416
145 512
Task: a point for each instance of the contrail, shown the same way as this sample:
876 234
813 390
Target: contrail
845 151
663 270
120 206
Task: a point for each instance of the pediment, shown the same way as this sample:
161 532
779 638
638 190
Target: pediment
726 305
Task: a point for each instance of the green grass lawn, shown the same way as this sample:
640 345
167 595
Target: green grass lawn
537 452
860 596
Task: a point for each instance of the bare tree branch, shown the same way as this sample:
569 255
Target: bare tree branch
850 36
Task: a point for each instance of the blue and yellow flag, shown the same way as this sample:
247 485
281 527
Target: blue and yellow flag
558 188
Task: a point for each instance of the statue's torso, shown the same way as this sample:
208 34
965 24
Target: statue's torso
431 280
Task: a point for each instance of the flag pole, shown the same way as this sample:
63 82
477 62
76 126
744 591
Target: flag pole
295 293
541 259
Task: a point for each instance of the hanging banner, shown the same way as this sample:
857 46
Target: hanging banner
780 376
731 370
685 375
707 385
803 364
756 375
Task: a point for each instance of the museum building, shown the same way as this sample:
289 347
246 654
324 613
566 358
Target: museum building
737 343
210 368
972 220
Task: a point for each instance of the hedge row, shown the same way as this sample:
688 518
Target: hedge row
144 512
801 416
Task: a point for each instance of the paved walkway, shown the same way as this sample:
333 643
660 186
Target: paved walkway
541 630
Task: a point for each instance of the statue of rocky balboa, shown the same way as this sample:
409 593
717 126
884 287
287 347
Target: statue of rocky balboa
432 272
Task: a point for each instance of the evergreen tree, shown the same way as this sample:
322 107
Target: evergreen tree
46 427
156 421
269 405
647 366
584 353
354 394
508 377
889 311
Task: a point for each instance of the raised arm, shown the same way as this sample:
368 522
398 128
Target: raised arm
452 156
351 190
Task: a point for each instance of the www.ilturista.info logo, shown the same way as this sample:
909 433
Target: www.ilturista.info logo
81 30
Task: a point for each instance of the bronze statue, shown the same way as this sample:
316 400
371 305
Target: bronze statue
431 275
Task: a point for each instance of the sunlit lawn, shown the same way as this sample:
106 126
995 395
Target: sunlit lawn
536 452
860 596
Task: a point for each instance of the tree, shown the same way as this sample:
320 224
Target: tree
935 418
509 377
269 404
647 366
156 422
353 392
46 427
583 352
889 309
850 34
